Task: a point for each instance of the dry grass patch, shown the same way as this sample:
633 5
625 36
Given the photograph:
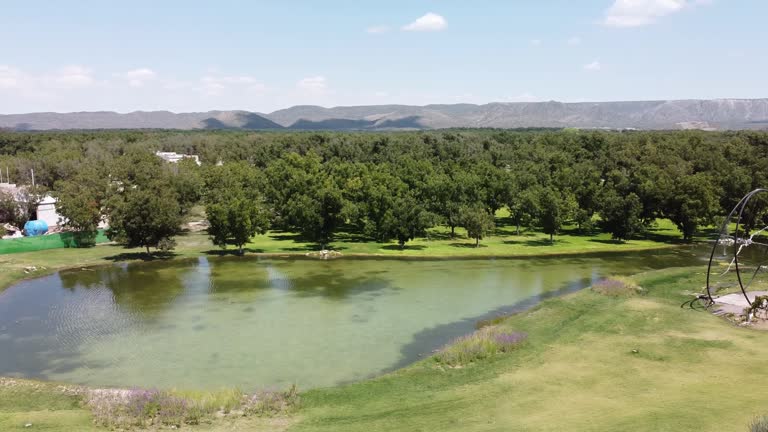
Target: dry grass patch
617 287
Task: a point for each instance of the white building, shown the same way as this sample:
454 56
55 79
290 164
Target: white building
46 208
46 211
174 157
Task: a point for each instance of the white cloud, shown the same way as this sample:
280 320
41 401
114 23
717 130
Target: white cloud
574 41
137 77
637 13
593 67
428 22
314 85
9 77
523 97
377 29
71 77
215 85
66 78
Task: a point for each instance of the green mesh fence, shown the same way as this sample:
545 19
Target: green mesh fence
53 241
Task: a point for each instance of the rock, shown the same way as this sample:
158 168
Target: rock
635 351
28 425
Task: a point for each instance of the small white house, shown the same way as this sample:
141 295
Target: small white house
174 157
46 211
46 208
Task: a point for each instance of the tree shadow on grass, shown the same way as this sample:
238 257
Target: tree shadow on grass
232 252
663 238
436 236
141 256
533 243
576 232
608 241
468 245
407 247
286 236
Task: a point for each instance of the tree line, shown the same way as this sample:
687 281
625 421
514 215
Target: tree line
385 186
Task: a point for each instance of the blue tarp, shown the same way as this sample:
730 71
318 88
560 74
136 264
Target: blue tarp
35 228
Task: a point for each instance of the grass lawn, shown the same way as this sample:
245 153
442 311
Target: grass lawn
504 242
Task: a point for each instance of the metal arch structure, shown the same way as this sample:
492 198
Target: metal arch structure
739 242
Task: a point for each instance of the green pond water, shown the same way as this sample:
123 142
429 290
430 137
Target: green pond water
264 323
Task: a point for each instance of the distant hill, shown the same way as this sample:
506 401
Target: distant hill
137 120
716 114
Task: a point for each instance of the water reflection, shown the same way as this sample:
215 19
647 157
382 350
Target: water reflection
249 322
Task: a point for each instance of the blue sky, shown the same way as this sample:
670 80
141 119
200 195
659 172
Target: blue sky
266 55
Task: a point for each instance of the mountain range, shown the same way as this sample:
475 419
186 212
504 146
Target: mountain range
715 114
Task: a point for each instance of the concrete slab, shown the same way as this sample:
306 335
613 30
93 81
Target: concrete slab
735 303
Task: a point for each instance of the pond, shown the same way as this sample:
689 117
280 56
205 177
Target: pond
263 323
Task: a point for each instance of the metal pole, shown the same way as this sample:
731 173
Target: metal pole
33 177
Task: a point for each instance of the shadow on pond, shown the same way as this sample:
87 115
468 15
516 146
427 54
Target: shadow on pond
145 290
244 275
427 340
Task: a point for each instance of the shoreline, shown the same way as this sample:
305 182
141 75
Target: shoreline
43 271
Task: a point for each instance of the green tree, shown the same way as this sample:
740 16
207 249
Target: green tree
188 183
450 191
407 220
477 221
144 216
235 207
142 206
10 211
555 209
80 201
523 205
621 216
693 202
306 197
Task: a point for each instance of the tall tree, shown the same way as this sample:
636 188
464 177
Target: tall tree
144 216
693 202
621 216
142 208
451 190
306 197
555 209
408 219
234 205
81 201
477 221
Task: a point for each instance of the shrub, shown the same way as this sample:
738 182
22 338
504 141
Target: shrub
270 403
166 244
759 424
484 343
122 408
125 409
617 287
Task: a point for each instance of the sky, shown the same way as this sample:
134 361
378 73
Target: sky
188 55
